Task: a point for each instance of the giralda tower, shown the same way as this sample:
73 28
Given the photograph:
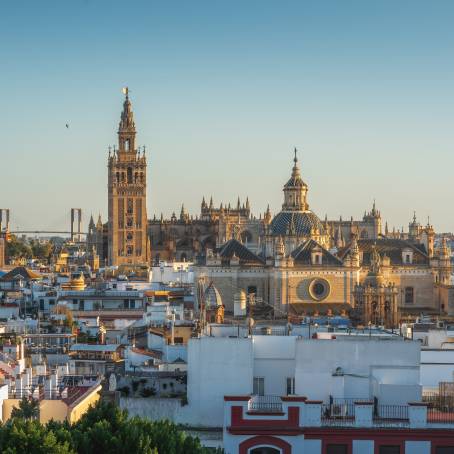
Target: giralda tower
127 183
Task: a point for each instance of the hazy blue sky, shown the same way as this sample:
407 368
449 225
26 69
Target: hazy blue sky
222 92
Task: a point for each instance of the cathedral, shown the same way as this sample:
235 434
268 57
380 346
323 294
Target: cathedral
306 266
293 262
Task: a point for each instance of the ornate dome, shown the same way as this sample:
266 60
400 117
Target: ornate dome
212 296
295 223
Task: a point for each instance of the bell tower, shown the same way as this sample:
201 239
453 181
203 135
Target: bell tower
127 168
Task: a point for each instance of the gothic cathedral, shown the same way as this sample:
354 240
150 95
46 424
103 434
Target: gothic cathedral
127 225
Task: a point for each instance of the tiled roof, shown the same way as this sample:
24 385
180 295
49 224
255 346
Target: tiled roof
302 254
20 271
234 247
295 182
212 296
153 353
300 221
390 247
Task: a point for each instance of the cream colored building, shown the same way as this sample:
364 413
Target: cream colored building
69 407
300 269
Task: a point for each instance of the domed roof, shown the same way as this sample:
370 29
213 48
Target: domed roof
295 223
212 296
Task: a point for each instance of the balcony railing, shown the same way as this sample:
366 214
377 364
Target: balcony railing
341 412
391 415
265 404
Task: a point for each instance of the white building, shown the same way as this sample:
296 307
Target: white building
346 368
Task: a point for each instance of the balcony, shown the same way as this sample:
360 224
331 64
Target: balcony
265 404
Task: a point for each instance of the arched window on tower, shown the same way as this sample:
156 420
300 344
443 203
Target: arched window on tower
118 177
129 174
127 144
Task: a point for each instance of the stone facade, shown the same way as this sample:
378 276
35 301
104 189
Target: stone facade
127 182
186 238
300 267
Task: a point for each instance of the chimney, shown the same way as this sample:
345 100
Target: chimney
48 389
53 381
172 328
19 386
26 382
29 370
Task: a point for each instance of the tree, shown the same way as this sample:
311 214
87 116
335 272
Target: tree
103 429
28 409
16 248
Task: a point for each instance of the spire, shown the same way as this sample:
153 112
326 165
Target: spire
296 169
127 127
248 207
414 217
99 223
211 203
267 217
127 117
204 204
91 224
238 204
183 214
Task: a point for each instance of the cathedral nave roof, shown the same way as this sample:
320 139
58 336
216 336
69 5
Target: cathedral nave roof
235 248
390 247
302 254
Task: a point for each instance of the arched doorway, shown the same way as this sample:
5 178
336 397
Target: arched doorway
265 450
264 444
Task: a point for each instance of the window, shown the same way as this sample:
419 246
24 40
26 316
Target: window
259 386
444 450
129 174
178 340
336 449
130 205
389 449
290 385
407 258
127 144
409 295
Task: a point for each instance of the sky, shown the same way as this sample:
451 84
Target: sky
222 91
